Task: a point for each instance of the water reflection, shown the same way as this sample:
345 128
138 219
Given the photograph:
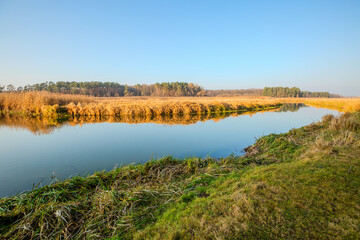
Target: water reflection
74 147
292 107
40 126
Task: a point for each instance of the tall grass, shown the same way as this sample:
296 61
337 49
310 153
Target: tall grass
51 104
167 106
339 104
44 103
37 103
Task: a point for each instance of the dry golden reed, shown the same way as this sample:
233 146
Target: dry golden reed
44 103
50 104
36 102
339 104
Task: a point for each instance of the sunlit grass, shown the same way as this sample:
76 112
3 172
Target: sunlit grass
51 104
47 104
339 104
60 105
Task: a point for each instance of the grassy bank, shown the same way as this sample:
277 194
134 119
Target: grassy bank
300 185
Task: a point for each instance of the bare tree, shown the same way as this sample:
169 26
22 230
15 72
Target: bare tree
10 88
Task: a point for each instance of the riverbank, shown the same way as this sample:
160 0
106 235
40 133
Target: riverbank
302 184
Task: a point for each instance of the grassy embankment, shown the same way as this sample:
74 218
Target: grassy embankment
303 184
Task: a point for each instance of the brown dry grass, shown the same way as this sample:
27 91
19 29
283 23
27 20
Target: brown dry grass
339 104
37 103
168 106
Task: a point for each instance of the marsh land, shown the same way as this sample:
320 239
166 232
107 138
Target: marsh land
180 169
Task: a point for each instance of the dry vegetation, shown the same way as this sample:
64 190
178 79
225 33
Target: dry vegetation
57 105
303 184
37 103
339 104
168 106
51 104
43 103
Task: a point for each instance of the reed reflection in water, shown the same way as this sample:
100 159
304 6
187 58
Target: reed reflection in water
76 147
39 125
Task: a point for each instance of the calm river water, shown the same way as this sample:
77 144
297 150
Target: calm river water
29 157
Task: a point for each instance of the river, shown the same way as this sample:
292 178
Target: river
32 153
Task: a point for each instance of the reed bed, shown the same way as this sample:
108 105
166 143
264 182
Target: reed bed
339 104
168 106
51 104
37 103
48 104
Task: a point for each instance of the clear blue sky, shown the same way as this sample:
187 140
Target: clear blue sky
314 45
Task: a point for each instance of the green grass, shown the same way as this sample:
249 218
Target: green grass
304 184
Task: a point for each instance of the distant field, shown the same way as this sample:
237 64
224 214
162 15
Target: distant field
50 104
340 104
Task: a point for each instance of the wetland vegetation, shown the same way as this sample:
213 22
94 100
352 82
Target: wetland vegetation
55 105
303 183
62 105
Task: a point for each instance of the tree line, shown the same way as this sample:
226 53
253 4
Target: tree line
233 93
164 89
294 92
112 89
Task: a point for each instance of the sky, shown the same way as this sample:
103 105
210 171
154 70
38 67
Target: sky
314 45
